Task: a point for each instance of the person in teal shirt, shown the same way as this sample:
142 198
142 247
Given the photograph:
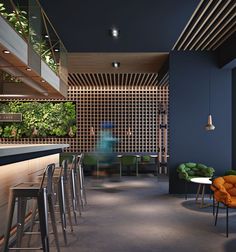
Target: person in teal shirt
104 148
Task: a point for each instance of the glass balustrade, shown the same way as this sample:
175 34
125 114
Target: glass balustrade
30 21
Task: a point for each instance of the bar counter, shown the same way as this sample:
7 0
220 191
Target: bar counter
12 153
21 163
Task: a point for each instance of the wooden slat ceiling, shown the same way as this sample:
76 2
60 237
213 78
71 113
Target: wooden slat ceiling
116 79
210 25
136 69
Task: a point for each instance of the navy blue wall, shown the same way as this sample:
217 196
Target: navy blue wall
233 117
189 96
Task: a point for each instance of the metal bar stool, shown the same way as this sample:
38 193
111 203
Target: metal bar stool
75 197
63 195
60 178
80 170
44 196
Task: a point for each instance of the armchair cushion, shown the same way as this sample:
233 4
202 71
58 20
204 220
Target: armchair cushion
225 190
190 170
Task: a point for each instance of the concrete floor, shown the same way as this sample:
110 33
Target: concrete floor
138 215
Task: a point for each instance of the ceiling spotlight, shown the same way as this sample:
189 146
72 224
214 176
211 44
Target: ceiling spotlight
116 64
28 69
6 51
114 32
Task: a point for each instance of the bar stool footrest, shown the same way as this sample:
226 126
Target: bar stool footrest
38 248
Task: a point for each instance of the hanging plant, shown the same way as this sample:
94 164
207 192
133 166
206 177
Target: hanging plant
3 10
19 20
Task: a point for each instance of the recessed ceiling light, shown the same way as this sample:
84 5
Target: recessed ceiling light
114 32
116 64
56 50
6 51
43 81
28 69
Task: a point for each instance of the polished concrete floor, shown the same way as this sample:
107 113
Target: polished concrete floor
138 215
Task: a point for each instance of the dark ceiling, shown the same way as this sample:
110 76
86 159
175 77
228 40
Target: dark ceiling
145 25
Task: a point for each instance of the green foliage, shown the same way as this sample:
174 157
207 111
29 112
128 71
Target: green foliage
19 20
3 10
40 119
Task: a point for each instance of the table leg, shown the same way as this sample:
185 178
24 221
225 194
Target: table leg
203 193
198 192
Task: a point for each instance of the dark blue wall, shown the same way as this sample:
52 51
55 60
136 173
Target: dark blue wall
233 117
189 95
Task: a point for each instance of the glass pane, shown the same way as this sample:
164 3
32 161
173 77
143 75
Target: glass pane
35 26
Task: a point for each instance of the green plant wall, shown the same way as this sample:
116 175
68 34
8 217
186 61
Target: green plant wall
39 119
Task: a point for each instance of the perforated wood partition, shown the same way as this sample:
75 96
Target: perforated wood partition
133 110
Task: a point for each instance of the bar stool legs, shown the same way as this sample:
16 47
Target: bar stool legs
53 219
43 219
21 211
83 197
11 207
74 194
44 196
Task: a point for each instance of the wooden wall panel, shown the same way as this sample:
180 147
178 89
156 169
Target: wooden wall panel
16 173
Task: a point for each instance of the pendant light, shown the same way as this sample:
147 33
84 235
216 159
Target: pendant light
210 125
129 132
92 132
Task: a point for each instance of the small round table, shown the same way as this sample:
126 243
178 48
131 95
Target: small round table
202 181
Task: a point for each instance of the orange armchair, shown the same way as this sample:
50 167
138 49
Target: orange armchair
225 192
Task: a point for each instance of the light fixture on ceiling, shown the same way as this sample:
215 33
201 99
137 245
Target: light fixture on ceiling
114 32
210 126
22 77
116 64
6 51
46 36
56 50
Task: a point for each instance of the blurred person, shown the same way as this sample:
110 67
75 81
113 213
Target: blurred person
104 149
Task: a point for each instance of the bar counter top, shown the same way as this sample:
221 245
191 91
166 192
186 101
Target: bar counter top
10 153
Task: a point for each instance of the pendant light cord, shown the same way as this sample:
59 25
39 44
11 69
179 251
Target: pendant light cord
210 94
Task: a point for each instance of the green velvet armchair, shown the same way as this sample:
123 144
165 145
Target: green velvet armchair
187 171
230 172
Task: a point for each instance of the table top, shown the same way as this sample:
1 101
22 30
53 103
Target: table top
202 180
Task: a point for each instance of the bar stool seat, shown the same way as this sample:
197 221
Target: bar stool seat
44 196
